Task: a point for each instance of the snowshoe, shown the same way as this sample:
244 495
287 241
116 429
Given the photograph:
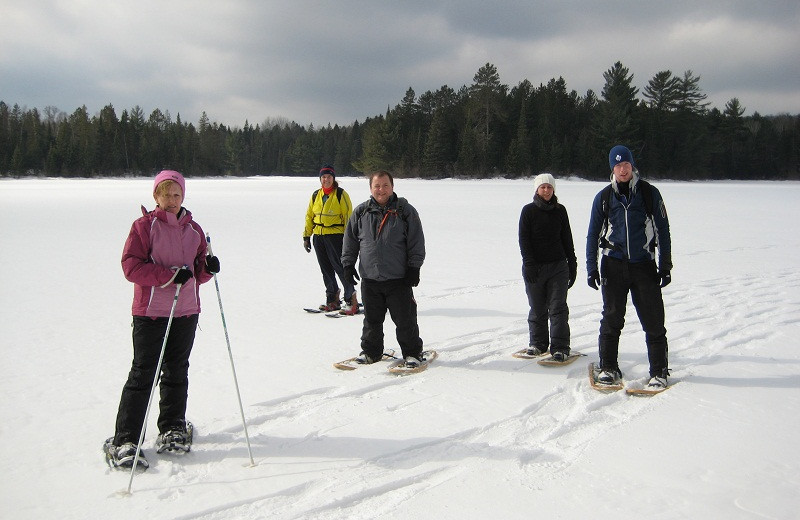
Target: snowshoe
530 353
362 359
559 359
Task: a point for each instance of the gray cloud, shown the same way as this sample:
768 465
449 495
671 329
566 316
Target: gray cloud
336 62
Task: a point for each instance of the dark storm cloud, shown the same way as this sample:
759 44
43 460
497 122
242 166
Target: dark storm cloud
336 62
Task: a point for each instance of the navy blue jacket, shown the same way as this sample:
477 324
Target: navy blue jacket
631 233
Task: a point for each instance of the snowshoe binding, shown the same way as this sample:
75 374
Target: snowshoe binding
412 365
123 456
605 379
176 440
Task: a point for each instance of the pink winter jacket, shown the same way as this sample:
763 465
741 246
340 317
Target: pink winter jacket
159 241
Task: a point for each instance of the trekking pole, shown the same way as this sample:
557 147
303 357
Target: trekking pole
230 355
153 389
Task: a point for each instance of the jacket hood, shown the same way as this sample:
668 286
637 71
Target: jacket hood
184 215
633 181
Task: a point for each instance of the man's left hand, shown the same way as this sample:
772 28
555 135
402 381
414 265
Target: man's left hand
664 278
351 275
412 276
573 273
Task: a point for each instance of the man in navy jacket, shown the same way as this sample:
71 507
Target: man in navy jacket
627 225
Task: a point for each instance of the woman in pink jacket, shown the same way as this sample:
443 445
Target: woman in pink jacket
165 248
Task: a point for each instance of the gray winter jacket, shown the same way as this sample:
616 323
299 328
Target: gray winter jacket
388 239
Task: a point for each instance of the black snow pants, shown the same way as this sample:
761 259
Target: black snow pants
329 254
398 298
548 303
148 336
618 277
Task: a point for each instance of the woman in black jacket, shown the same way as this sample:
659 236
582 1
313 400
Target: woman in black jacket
549 267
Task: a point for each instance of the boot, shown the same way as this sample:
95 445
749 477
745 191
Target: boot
333 305
351 307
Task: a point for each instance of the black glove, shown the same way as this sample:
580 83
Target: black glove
664 278
412 276
530 272
350 275
182 276
594 280
307 244
212 264
573 274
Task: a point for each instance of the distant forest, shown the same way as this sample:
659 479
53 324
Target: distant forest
483 130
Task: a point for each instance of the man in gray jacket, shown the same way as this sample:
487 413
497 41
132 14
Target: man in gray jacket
387 234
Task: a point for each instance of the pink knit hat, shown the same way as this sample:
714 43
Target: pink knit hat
170 175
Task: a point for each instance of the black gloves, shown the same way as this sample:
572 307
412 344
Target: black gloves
530 272
307 244
350 275
594 280
212 264
664 278
412 276
182 276
573 273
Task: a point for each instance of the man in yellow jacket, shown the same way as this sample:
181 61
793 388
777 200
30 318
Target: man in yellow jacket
328 212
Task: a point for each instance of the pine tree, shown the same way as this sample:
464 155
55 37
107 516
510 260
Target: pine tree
486 93
735 134
616 121
662 91
690 97
518 159
436 156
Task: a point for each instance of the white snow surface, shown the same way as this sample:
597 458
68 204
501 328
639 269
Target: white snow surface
480 434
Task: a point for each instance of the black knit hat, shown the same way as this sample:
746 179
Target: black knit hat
327 170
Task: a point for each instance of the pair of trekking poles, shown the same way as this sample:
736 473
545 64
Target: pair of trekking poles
158 374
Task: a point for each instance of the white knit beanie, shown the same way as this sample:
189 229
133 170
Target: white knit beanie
544 178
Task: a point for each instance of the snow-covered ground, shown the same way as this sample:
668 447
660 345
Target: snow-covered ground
480 434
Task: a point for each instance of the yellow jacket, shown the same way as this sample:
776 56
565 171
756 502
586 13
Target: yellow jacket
330 217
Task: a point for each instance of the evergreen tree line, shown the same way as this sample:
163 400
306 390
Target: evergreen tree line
483 130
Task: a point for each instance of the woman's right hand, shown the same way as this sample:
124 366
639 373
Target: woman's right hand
182 276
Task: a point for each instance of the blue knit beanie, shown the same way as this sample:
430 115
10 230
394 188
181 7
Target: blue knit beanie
620 154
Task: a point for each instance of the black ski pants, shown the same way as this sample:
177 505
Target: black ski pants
547 299
148 337
329 256
398 298
618 277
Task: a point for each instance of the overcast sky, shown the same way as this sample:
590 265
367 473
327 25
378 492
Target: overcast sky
340 61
